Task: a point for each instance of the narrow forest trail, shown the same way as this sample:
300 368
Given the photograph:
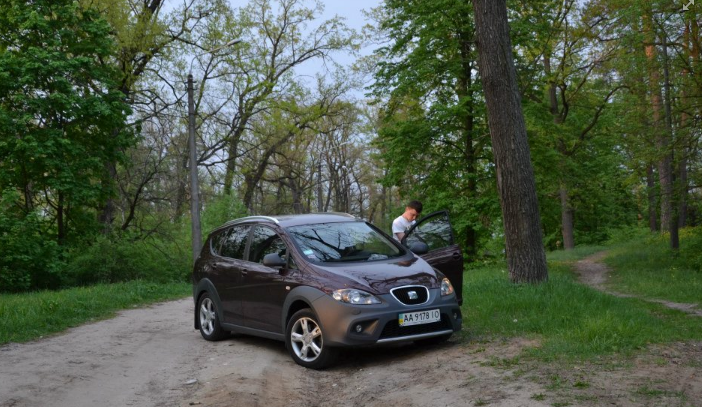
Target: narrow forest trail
594 273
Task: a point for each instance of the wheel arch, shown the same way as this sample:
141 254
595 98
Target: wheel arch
299 298
205 286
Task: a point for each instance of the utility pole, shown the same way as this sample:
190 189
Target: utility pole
194 185
319 187
195 227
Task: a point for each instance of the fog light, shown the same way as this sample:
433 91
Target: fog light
359 328
455 315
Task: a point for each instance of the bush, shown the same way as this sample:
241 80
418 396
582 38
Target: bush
28 259
220 210
114 259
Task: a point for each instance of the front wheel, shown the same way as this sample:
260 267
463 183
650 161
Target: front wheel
208 314
305 341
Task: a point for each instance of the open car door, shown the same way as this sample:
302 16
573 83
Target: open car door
444 254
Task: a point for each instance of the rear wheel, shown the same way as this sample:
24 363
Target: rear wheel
208 315
305 341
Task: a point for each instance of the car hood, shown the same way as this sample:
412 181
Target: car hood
381 276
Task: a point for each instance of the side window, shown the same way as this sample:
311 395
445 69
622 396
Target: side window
234 242
265 241
216 242
434 231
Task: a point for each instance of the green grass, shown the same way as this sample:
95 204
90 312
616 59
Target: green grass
649 268
569 319
576 254
28 316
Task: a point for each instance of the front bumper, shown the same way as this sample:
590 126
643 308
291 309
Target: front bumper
379 323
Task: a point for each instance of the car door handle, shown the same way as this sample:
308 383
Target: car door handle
456 256
244 272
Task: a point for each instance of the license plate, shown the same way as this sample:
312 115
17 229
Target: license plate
420 317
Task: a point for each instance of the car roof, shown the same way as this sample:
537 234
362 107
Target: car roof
295 220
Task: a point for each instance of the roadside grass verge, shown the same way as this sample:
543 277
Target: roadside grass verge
568 319
647 267
28 316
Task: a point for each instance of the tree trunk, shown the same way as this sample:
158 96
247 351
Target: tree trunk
231 165
566 219
107 214
60 208
661 139
567 225
652 201
464 91
515 176
669 159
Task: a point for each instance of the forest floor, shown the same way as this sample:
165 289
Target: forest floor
153 357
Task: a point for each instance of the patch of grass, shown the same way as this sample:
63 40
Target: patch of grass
28 316
578 253
651 392
569 320
539 397
556 382
646 266
504 363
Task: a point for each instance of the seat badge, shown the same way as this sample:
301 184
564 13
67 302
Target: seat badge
412 295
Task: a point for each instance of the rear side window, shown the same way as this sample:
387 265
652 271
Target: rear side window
233 242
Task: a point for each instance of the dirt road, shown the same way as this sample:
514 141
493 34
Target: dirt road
153 357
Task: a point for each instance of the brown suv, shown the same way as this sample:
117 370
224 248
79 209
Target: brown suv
324 281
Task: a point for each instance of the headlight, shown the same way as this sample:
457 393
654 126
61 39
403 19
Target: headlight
352 296
446 287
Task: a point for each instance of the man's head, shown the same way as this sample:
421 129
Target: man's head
412 210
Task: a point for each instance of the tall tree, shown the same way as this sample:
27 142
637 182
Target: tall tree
526 258
60 106
432 132
275 42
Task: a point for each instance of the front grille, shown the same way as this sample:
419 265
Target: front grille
403 294
394 330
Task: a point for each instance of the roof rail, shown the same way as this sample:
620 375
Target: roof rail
268 218
348 215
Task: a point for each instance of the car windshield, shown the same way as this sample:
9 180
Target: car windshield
343 242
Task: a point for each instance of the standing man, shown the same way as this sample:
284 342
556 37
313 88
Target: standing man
406 220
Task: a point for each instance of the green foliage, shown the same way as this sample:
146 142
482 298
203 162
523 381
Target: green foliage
28 316
61 115
117 259
569 320
219 210
27 258
645 265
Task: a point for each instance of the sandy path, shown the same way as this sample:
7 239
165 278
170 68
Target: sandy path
153 357
141 357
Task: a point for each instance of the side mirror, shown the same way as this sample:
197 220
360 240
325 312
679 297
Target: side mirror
273 260
419 248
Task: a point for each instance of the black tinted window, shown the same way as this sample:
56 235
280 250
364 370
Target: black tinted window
344 241
217 240
265 241
234 242
434 231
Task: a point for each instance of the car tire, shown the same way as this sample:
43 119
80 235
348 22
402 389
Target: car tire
208 314
436 340
305 341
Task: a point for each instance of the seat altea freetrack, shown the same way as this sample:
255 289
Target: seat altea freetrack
321 282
